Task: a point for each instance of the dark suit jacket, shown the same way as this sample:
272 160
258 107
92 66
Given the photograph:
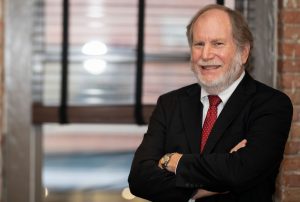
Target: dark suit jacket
256 112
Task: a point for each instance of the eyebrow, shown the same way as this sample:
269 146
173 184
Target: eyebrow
218 39
214 39
211 41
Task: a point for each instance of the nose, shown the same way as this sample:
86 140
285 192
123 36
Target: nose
207 53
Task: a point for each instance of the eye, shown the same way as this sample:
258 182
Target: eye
218 43
199 44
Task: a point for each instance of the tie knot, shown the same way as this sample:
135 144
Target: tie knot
214 100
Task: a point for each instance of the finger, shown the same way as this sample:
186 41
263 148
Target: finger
201 193
243 142
236 148
240 145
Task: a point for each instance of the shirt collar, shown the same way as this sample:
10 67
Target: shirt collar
225 94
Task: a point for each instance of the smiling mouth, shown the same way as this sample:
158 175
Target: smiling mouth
208 67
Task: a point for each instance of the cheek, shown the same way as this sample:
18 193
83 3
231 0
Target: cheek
222 55
226 58
195 55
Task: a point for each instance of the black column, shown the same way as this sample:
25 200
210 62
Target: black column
138 108
63 113
221 2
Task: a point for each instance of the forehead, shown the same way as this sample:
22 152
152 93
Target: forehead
213 24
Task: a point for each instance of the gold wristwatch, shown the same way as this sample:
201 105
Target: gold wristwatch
166 159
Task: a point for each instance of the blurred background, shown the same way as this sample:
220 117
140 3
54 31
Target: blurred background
95 69
88 157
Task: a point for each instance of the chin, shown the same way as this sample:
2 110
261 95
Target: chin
210 81
213 86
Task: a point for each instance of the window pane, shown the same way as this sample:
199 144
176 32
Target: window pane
46 55
166 47
102 49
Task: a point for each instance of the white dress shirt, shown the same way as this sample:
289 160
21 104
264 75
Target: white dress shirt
224 96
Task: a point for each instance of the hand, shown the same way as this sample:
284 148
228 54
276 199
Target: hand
201 193
205 193
240 145
172 165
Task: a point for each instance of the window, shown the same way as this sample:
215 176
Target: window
90 161
103 37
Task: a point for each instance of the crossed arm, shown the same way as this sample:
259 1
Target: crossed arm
174 159
219 172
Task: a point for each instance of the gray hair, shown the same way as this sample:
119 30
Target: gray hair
240 29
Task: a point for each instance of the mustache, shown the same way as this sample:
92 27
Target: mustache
209 63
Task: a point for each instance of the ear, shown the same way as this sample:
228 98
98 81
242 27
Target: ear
245 53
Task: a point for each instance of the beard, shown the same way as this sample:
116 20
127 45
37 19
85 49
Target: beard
223 81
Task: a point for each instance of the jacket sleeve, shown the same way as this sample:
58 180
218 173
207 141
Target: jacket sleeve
146 179
267 132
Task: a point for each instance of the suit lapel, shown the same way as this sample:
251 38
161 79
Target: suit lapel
191 108
232 108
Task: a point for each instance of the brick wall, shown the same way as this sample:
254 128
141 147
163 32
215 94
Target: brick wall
288 189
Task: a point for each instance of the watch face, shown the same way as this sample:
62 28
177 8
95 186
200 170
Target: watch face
166 158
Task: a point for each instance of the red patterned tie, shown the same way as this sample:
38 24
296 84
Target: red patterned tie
210 119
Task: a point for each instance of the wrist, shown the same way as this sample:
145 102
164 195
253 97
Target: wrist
166 160
170 161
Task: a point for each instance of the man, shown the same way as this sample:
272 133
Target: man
219 141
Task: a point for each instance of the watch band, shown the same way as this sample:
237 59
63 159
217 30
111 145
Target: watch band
166 160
